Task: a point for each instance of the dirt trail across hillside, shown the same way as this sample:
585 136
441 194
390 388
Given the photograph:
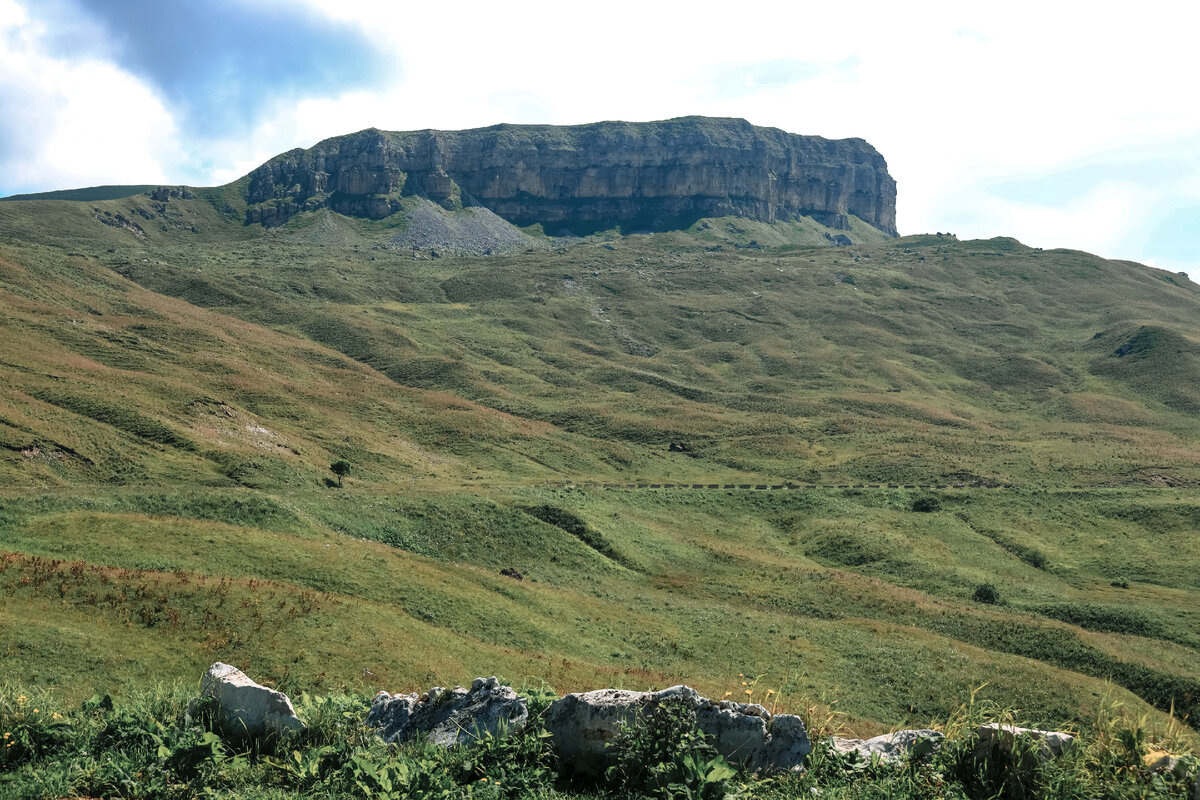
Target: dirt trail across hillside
774 486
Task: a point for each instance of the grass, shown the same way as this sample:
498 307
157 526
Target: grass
170 404
85 194
692 583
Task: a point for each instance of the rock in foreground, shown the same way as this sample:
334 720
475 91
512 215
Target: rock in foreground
244 708
584 724
890 747
995 739
451 717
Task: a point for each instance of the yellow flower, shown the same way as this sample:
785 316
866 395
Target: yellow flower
770 691
740 675
727 694
21 699
57 715
749 692
35 711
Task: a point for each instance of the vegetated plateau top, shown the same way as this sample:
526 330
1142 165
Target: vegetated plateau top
582 178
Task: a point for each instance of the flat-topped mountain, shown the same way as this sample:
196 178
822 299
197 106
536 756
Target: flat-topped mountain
583 178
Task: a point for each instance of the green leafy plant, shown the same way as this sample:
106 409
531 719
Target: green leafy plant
926 504
662 754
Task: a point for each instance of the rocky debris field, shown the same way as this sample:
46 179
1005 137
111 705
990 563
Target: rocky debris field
474 231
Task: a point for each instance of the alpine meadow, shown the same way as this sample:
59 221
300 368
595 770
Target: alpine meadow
618 405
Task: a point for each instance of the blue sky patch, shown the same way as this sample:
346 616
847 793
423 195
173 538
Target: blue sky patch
221 64
736 80
1063 187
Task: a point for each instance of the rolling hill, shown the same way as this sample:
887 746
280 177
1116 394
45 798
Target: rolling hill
176 382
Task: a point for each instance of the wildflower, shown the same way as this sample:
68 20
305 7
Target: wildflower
21 699
727 694
770 691
745 684
57 715
749 692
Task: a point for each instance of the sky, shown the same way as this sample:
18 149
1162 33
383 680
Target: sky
1060 123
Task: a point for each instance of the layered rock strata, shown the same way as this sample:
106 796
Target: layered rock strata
639 176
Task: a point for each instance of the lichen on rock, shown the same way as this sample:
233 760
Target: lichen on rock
449 717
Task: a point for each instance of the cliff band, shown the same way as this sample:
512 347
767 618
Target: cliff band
583 178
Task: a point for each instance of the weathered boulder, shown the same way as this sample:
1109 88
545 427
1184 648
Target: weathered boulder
995 739
244 708
890 747
584 724
450 717
1164 763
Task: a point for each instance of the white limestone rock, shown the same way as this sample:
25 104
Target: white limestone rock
584 724
450 718
993 738
890 747
244 708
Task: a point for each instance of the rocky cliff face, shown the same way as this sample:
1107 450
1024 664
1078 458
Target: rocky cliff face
641 176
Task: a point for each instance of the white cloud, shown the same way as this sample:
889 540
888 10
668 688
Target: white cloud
1096 221
74 122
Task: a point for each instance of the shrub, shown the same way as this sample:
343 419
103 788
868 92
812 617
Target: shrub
986 593
1034 558
926 504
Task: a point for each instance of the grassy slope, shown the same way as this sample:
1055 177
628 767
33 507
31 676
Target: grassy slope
85 194
171 400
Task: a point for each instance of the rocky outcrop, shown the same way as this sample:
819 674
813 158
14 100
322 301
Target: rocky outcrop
164 194
640 176
119 220
449 717
890 747
999 741
582 726
243 708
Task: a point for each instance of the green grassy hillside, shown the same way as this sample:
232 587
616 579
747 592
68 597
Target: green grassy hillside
86 193
174 386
